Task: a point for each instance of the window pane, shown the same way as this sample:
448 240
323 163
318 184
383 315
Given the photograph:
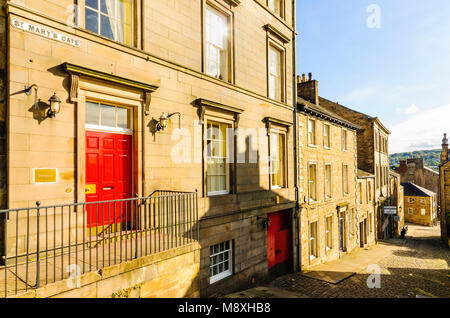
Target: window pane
92 4
92 113
91 20
217 44
107 27
108 116
123 117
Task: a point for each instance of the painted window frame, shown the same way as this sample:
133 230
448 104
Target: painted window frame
283 133
313 182
329 233
315 255
360 192
222 8
226 273
282 13
345 180
101 127
344 139
313 133
275 43
327 137
330 182
80 21
228 146
410 211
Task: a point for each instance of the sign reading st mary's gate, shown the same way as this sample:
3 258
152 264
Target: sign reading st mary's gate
32 28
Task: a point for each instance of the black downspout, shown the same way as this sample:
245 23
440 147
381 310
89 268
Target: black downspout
296 176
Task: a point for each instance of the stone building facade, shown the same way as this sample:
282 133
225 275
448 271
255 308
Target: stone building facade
444 190
365 218
213 65
330 214
415 171
397 194
372 150
420 205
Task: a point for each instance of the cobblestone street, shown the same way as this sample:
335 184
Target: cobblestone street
416 267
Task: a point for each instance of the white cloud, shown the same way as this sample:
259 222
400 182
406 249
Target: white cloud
411 110
422 131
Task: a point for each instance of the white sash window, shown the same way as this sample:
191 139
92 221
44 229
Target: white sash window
216 44
110 18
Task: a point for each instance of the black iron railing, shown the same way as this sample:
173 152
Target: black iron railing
45 244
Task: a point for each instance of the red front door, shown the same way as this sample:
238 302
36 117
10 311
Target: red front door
108 176
278 237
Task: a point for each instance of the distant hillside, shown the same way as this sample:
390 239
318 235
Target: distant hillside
432 157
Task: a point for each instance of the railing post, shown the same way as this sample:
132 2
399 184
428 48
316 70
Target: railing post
196 215
38 204
136 212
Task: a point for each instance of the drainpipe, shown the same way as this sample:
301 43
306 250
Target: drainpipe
296 176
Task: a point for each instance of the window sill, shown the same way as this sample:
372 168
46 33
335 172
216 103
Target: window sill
327 148
313 146
219 277
217 194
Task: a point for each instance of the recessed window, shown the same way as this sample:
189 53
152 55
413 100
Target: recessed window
369 191
220 256
410 200
275 73
313 241
423 212
360 192
311 132
410 211
217 44
327 136
328 185
276 6
345 179
217 181
277 160
312 182
329 233
422 200
344 140
110 18
110 117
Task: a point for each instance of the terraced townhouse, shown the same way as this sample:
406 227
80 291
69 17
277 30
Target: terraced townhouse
336 199
373 157
120 157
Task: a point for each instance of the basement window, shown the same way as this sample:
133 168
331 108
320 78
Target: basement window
220 256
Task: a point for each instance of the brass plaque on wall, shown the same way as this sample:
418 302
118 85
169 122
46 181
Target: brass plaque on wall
45 175
90 189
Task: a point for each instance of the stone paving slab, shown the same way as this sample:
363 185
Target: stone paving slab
332 277
265 292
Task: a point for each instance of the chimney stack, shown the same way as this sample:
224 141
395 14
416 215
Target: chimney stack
308 89
444 153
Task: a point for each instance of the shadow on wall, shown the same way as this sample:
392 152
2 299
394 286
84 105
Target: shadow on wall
239 218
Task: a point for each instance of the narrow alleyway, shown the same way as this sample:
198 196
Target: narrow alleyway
418 266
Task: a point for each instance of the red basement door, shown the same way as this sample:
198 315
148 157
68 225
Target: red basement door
278 238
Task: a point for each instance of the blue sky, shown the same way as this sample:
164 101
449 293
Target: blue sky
398 72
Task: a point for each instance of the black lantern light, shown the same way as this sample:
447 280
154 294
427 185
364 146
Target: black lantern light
55 106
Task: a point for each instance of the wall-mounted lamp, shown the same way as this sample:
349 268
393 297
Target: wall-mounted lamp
164 120
28 89
55 106
54 101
